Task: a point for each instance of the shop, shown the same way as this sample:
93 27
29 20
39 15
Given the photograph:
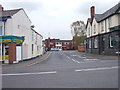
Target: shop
11 49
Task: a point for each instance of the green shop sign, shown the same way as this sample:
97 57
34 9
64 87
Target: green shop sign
7 39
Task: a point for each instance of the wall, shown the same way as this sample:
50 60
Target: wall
20 25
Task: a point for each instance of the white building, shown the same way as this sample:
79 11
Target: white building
18 40
103 31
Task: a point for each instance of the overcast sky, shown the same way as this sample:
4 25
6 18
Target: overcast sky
52 18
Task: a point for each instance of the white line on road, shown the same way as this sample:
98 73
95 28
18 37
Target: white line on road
19 74
75 61
92 69
68 57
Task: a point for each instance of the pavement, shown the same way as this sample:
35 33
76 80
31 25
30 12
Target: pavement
106 57
63 69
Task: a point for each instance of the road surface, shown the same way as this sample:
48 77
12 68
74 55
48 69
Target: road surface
62 69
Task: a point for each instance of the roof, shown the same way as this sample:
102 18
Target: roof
108 13
88 21
64 41
6 13
37 32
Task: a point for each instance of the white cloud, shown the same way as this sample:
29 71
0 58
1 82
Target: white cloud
55 16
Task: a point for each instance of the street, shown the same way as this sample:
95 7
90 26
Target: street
62 69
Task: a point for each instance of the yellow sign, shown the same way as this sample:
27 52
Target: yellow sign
5 40
18 41
6 57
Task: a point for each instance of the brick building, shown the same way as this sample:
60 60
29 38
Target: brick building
58 44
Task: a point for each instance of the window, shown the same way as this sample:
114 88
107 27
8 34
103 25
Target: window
109 22
89 31
32 36
37 49
111 41
95 43
36 39
1 31
94 29
102 26
90 43
32 49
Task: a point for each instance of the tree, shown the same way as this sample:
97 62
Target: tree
78 32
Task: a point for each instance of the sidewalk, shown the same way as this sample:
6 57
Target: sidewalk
25 62
105 57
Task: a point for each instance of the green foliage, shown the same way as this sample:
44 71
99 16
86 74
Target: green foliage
78 40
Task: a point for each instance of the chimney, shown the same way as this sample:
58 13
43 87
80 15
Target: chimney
1 8
92 11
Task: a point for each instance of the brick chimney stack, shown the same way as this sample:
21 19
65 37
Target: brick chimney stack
1 8
92 11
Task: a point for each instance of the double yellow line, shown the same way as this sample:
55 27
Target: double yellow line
42 59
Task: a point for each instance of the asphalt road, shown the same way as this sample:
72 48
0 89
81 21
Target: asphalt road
62 69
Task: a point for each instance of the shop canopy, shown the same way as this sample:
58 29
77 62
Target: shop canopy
9 39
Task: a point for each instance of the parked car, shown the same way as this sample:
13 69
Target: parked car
54 49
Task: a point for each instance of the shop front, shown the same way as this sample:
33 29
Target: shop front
11 49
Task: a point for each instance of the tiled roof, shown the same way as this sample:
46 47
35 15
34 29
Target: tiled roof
6 13
110 12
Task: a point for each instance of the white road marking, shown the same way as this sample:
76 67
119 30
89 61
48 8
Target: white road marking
19 74
82 57
92 69
73 55
91 59
68 57
75 61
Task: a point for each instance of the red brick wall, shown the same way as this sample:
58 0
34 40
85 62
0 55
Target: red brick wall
81 48
12 52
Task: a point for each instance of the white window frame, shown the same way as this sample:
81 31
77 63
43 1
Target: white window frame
109 22
90 43
102 26
89 31
95 42
111 41
94 28
2 32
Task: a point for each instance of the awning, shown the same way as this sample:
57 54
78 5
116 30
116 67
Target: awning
8 39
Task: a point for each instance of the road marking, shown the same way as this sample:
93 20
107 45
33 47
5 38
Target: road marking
92 69
37 73
68 57
75 61
91 59
39 60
